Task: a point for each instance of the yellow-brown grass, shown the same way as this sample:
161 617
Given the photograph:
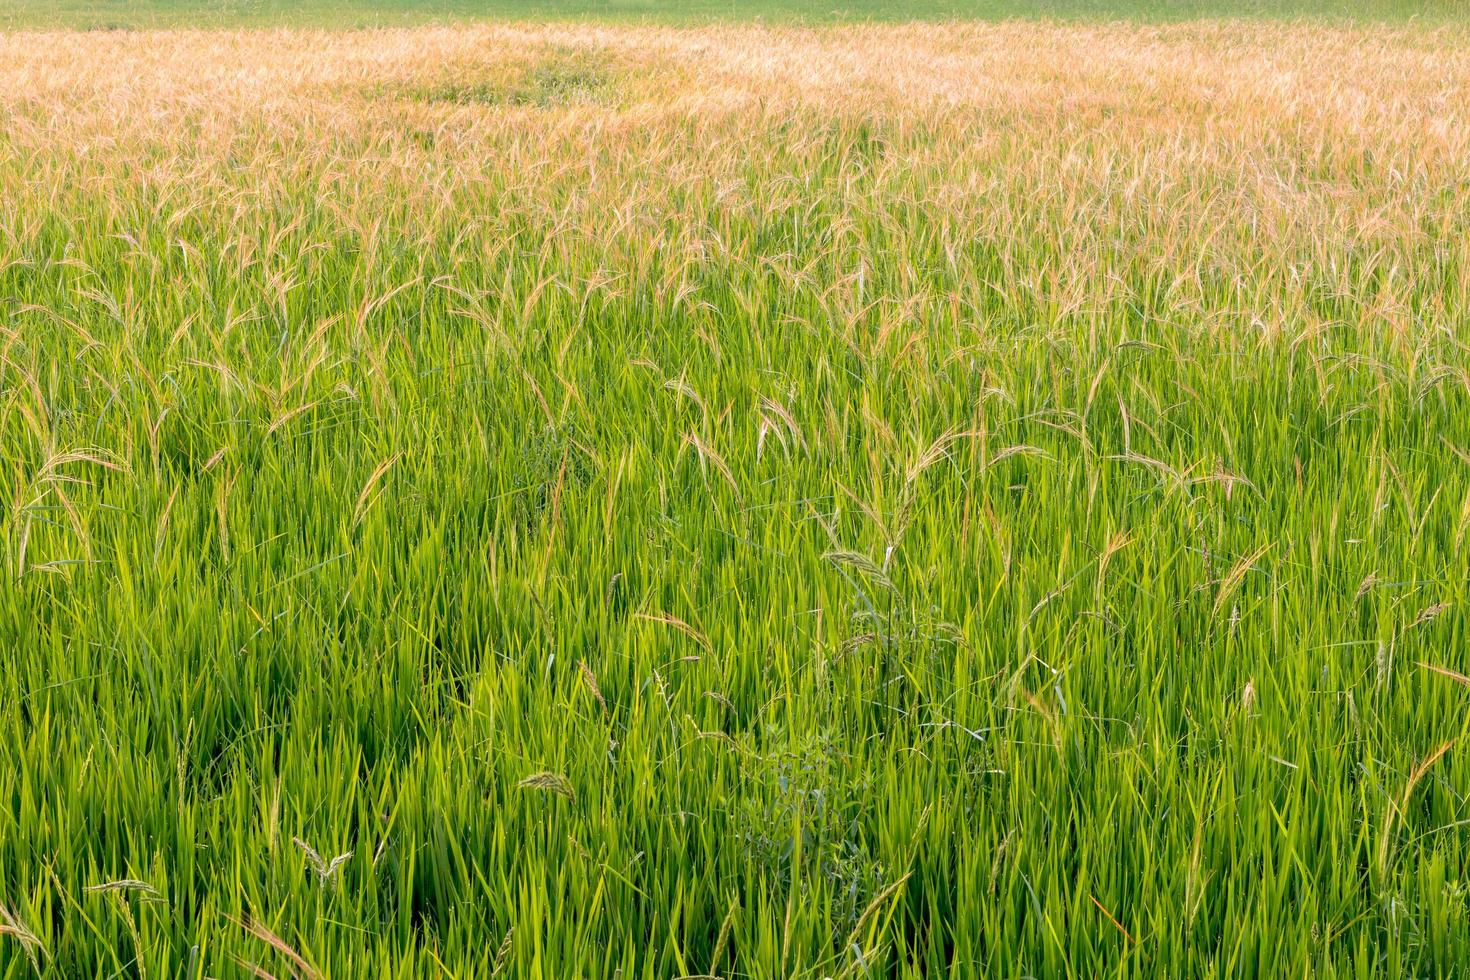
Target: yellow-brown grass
1221 151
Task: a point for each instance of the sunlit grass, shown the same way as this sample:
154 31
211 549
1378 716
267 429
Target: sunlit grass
873 501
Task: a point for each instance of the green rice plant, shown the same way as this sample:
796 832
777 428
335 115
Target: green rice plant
742 501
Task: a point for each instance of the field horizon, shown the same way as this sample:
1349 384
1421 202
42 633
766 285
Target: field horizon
357 14
641 500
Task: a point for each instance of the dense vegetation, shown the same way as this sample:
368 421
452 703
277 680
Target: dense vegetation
870 501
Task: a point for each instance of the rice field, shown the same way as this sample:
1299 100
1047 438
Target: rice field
597 500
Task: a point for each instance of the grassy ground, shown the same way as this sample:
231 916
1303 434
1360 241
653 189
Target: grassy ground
620 501
95 14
